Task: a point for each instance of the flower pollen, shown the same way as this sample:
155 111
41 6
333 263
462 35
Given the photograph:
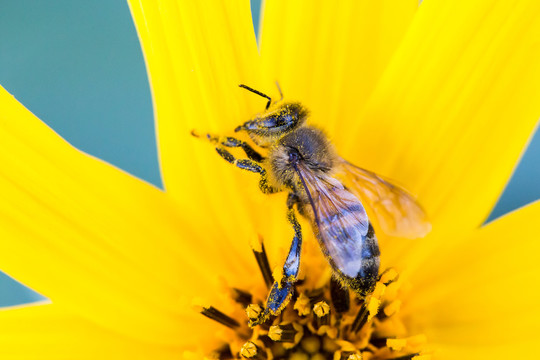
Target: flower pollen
329 322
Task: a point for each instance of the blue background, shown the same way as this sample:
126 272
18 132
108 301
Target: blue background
78 66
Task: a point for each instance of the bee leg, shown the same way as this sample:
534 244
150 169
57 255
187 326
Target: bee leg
229 141
283 288
249 165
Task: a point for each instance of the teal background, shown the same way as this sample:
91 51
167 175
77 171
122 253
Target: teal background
78 66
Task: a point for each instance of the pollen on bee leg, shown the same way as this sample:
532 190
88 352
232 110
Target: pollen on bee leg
373 307
379 291
277 274
262 260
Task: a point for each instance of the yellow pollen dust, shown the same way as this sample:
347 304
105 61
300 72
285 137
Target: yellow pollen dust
321 322
321 308
302 305
249 350
253 311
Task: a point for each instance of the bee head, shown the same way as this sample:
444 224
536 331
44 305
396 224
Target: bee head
277 122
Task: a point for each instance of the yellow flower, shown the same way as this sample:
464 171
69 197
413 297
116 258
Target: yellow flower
441 98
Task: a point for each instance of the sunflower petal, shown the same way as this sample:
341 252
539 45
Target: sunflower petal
454 109
329 55
196 56
481 293
45 332
95 240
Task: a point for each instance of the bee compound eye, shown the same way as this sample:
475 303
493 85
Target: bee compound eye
294 156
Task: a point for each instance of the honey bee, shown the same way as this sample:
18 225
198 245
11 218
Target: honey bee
302 161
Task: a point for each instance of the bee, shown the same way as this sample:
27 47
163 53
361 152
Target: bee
301 160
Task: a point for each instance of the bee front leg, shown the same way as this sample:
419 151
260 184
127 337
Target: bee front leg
231 142
249 165
283 288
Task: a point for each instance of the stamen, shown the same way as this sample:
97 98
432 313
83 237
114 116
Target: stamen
340 296
242 297
253 311
262 260
320 327
222 353
251 351
322 313
302 305
282 333
350 355
216 315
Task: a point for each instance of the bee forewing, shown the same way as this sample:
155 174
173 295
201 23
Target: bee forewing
341 222
396 211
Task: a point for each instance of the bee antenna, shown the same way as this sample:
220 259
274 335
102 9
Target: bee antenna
258 93
279 89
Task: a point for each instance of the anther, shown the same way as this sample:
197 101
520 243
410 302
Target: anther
349 355
322 313
340 296
216 315
253 311
262 260
282 333
302 305
251 351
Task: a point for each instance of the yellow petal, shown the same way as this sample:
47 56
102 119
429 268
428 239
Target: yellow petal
330 55
196 56
482 292
47 332
454 109
96 240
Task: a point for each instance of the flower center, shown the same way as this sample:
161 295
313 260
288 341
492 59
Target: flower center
328 322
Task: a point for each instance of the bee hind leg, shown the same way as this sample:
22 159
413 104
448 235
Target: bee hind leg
283 288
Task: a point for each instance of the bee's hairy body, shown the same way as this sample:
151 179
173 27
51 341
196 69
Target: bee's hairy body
357 266
302 161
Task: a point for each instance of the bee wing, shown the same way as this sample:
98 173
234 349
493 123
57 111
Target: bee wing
396 211
341 222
